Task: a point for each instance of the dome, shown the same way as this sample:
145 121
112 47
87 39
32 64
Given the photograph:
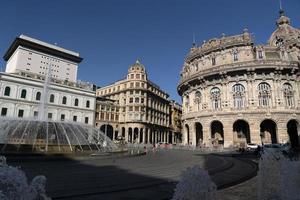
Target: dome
284 31
137 66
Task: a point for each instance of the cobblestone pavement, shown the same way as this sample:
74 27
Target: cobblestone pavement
143 177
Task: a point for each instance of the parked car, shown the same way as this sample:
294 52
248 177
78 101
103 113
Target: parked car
252 146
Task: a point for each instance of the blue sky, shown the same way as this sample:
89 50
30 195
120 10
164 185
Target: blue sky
111 34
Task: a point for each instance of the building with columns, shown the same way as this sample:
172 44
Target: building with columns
235 92
135 109
22 84
175 122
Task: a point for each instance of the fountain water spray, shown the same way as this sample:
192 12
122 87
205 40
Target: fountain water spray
14 185
195 184
43 107
43 135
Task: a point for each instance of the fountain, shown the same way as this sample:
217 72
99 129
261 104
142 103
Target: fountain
44 136
195 183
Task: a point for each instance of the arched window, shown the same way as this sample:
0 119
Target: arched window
52 98
264 94
64 100
76 102
238 95
23 94
87 103
198 99
38 96
215 95
288 95
7 91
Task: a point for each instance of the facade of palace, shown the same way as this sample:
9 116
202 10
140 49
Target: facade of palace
28 62
135 109
235 92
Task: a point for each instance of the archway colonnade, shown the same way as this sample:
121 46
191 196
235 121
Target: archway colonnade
238 132
140 134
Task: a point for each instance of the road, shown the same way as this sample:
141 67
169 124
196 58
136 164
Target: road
152 176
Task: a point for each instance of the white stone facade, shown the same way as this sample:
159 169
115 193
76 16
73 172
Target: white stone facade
235 92
20 96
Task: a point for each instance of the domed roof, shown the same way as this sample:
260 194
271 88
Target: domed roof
137 66
284 31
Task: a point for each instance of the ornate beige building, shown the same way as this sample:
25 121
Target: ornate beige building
175 122
134 108
235 92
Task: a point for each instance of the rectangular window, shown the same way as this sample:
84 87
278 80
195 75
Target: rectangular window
213 61
142 100
260 55
74 118
131 92
136 108
21 113
137 84
86 120
102 116
131 85
107 116
62 117
137 76
130 108
112 117
131 100
3 111
35 113
235 57
117 117
136 100
49 115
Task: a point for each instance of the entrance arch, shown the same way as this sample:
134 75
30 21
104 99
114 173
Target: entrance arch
135 134
241 132
141 135
268 131
187 130
217 132
130 135
293 132
107 130
199 133
123 132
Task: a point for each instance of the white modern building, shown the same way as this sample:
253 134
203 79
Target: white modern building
21 86
32 55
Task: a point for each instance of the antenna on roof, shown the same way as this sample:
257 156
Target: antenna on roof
280 5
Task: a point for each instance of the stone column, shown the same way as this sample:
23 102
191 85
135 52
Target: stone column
254 126
282 134
126 133
228 133
193 134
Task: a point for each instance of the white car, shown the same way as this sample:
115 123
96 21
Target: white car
252 146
